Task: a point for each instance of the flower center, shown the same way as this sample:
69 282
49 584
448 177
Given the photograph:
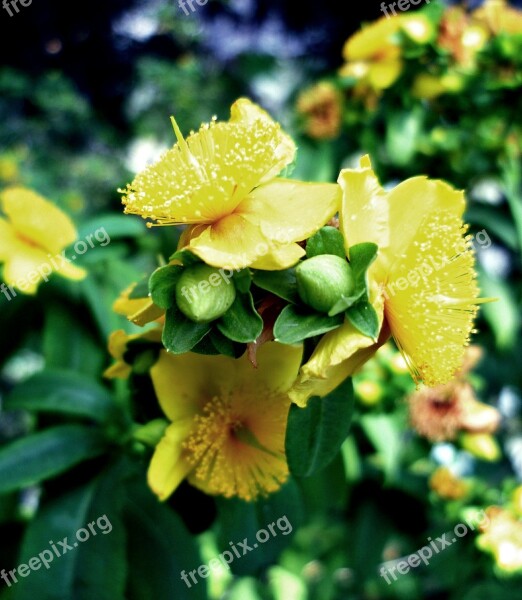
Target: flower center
237 448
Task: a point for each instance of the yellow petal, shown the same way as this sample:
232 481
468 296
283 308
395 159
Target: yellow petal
167 468
305 387
70 271
364 211
279 257
373 40
204 178
184 382
339 345
277 369
274 207
38 220
383 74
431 292
231 243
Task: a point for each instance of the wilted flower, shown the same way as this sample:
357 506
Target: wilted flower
321 105
222 182
440 413
447 486
228 421
460 36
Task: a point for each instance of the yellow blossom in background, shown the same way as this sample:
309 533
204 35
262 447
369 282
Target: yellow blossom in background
227 434
221 181
118 345
138 310
418 28
321 105
447 486
33 235
428 86
498 16
422 284
373 54
502 537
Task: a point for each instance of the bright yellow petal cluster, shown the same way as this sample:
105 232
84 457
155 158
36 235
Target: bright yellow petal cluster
373 54
222 182
33 234
228 422
502 537
499 17
422 285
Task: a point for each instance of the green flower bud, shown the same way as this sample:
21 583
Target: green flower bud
322 281
204 293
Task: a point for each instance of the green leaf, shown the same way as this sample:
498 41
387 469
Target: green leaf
315 434
186 257
295 324
328 240
241 322
159 550
239 520
242 280
70 341
94 568
385 433
42 455
162 285
180 334
344 303
280 283
364 318
109 224
140 290
66 392
224 345
361 257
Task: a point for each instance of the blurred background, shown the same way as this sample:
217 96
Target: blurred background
86 91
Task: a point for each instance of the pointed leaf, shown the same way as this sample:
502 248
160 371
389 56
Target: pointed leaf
295 324
162 285
241 322
328 240
180 334
315 434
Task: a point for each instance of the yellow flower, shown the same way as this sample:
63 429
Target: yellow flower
228 421
422 284
222 182
499 16
32 239
502 537
373 54
428 86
